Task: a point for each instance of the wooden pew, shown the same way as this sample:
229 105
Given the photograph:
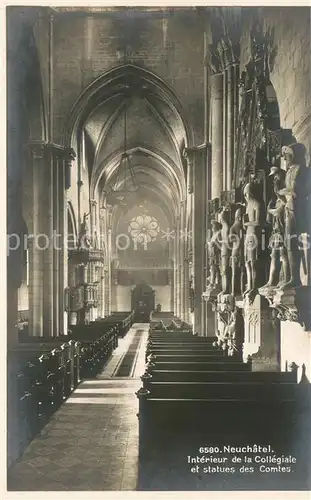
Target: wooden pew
217 376
194 394
42 373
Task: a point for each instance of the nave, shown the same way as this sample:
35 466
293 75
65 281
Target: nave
116 433
158 174
91 442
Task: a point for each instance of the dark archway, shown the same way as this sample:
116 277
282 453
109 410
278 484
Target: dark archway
143 302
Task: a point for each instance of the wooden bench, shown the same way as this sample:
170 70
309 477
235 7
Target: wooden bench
194 394
214 376
42 373
264 391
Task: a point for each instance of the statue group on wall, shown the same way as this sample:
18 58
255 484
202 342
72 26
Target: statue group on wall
288 215
240 247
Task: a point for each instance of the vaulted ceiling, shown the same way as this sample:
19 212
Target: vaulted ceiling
136 104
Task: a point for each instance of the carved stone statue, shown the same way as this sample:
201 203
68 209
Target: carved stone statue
191 294
230 335
236 242
293 195
84 237
95 240
235 332
251 222
225 251
279 272
214 254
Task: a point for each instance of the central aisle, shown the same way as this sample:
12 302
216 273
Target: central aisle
91 442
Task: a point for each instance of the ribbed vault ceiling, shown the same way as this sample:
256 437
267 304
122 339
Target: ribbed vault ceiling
155 134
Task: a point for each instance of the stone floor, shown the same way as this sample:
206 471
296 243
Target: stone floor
91 442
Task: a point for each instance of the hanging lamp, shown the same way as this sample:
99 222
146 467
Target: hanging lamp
125 183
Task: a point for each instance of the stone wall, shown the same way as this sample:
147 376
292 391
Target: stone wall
85 47
121 300
288 33
295 347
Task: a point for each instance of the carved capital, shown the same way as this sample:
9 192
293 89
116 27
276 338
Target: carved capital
69 154
214 59
37 150
291 304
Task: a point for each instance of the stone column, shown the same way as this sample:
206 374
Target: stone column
109 276
230 125
177 233
186 286
35 253
217 133
175 277
206 91
93 218
236 93
199 210
171 285
47 225
62 253
225 129
65 183
182 239
55 242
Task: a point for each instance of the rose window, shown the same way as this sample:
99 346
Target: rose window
143 228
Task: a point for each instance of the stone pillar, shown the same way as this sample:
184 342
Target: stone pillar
101 312
262 335
199 214
93 219
175 277
178 273
171 285
217 133
62 253
236 102
225 129
182 238
64 184
55 243
109 280
206 91
230 124
186 287
47 225
35 327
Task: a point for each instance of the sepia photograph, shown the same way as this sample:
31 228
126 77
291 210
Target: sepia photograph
158 248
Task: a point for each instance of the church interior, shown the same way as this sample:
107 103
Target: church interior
158 271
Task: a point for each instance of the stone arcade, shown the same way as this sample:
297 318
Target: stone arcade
159 174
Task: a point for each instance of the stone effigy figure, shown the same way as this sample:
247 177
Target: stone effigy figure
230 335
225 251
235 332
84 238
236 242
251 222
294 195
214 254
279 272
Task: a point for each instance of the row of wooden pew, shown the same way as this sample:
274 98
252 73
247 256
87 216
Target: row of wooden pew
193 393
43 372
